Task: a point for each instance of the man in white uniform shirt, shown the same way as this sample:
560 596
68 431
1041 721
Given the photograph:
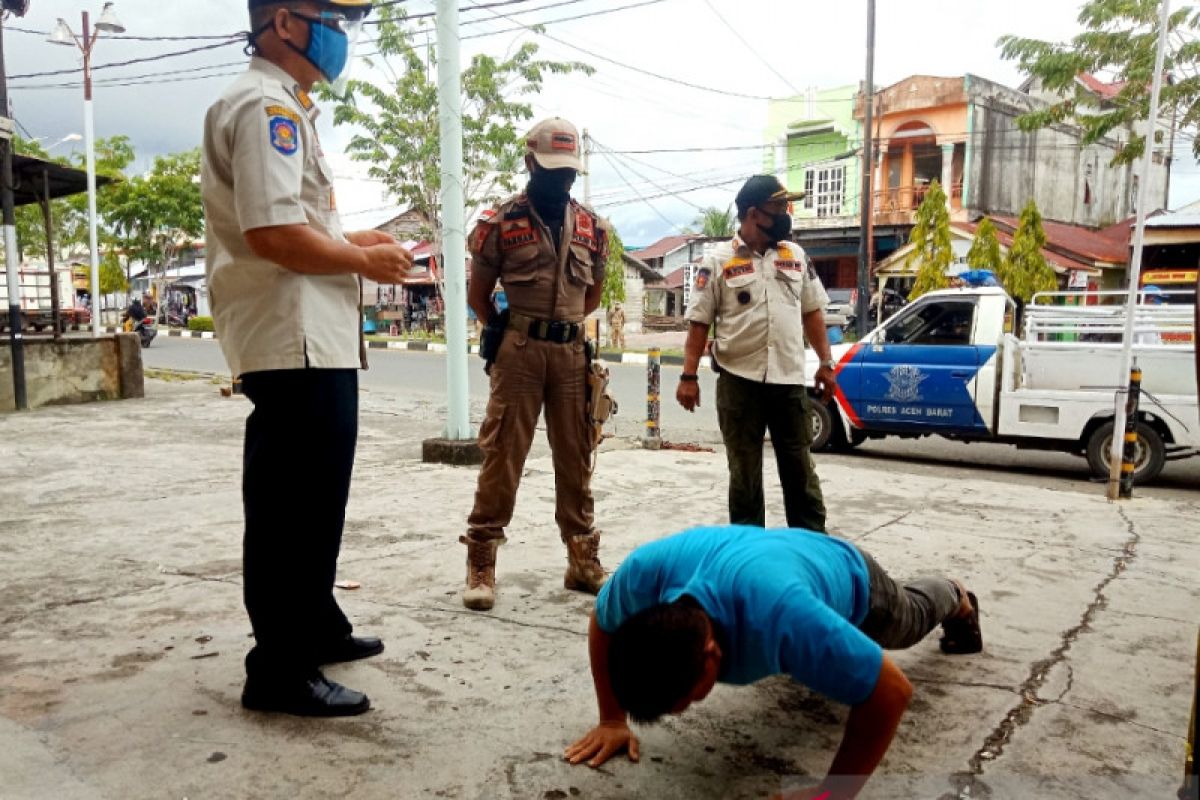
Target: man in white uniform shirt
762 296
285 295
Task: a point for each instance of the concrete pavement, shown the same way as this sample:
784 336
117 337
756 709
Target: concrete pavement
122 632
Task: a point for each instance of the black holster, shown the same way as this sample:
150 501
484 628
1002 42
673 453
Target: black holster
491 338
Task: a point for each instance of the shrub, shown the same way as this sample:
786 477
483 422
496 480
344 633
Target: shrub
200 324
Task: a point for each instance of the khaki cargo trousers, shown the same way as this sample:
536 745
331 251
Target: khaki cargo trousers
527 376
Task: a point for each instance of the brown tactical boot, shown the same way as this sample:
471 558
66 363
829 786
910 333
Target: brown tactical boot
584 573
480 593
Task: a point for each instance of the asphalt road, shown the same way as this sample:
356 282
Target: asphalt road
418 373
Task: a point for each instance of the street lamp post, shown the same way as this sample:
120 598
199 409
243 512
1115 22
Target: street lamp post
63 35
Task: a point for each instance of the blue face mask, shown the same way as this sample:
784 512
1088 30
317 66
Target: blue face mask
328 48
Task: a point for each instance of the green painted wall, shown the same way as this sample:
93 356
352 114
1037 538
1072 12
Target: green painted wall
792 116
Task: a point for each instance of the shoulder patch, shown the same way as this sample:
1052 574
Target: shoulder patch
284 136
282 111
702 277
479 235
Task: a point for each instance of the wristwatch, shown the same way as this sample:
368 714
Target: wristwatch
829 363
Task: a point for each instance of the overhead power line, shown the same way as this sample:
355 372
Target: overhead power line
750 47
132 61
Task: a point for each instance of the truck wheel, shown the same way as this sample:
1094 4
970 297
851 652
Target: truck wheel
822 424
1149 453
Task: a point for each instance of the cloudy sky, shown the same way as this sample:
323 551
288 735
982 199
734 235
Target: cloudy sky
796 44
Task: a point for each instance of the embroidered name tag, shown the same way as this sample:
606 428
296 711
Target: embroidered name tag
737 268
790 265
516 233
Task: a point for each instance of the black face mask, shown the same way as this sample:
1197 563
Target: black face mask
780 228
550 188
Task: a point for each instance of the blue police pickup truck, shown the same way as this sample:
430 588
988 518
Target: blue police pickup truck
949 364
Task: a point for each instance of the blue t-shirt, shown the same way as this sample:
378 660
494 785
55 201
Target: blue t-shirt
787 601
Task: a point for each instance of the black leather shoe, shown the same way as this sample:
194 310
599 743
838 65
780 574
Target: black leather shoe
351 648
315 697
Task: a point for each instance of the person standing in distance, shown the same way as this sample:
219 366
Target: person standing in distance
764 297
549 254
286 304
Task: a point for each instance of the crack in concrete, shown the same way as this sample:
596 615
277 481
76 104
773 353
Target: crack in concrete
884 525
967 784
463 612
1009 688
82 601
1119 718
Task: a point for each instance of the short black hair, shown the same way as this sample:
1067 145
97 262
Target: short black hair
656 658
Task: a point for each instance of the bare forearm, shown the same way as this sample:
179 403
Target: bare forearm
815 333
591 300
693 348
869 732
299 248
610 709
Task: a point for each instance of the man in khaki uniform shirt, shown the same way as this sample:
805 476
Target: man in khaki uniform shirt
765 298
549 254
285 296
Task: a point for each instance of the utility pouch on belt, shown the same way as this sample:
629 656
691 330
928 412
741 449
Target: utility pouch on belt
491 337
600 403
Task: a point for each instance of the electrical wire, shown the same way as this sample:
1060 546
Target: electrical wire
159 57
754 50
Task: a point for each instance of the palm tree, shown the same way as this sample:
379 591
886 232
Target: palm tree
715 223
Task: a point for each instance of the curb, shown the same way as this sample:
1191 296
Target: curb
431 347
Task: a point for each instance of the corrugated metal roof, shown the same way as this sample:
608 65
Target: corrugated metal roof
1089 244
664 246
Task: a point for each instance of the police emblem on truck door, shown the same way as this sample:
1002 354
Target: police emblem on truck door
904 384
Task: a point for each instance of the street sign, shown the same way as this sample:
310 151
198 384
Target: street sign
7 128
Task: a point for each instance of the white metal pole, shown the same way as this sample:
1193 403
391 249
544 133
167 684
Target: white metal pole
587 168
89 135
93 249
454 238
1135 266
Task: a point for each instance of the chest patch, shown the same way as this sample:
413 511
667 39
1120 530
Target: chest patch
737 267
284 136
585 231
789 265
517 232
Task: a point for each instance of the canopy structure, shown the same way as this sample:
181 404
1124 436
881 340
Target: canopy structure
31 175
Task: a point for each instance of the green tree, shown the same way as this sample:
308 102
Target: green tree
156 214
31 230
1026 270
112 277
716 223
113 157
985 247
930 238
1119 39
398 121
614 272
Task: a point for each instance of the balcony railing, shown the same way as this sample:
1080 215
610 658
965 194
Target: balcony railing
905 199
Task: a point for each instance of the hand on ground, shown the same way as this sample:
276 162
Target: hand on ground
602 743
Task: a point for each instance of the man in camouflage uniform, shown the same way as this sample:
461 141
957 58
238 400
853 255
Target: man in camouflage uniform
548 252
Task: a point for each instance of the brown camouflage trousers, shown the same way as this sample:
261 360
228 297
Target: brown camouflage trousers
530 375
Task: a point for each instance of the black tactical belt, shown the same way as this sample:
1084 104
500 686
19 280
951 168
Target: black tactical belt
558 331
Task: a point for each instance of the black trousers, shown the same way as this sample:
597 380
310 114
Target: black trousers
299 455
746 410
